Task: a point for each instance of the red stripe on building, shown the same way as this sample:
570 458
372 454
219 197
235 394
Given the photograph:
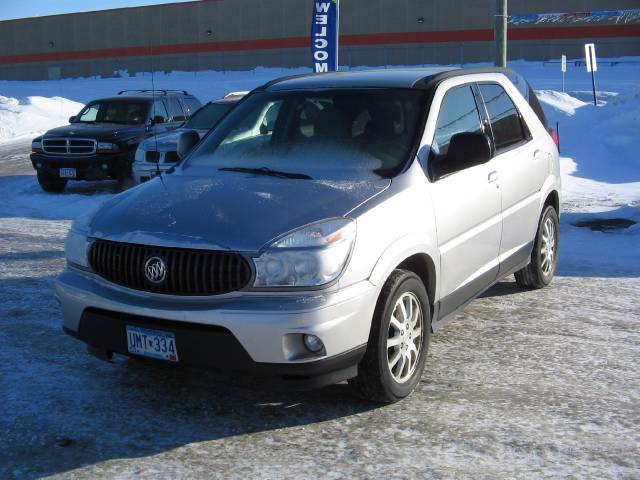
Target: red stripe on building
392 38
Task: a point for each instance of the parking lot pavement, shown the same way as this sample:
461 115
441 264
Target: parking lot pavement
533 384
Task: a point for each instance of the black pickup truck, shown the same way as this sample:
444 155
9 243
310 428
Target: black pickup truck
100 142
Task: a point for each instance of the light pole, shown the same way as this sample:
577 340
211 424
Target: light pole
500 33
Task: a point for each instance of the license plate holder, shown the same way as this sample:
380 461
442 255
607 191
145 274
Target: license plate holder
67 173
158 344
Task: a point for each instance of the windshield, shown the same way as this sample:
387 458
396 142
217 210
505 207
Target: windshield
209 115
328 134
114 111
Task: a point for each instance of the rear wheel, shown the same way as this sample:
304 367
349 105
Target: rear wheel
544 258
400 332
51 183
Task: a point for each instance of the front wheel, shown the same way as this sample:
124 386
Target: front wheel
51 183
544 258
398 341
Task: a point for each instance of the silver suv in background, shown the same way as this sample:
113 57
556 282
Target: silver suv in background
330 245
159 153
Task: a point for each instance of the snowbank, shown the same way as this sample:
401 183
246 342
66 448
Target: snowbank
31 116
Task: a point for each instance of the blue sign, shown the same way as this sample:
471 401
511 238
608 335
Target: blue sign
324 35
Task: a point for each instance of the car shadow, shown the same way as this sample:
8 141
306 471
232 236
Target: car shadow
65 409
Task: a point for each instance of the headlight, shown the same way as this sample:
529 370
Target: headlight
36 145
311 256
139 155
76 247
107 147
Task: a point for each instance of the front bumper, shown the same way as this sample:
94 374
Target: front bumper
90 167
244 331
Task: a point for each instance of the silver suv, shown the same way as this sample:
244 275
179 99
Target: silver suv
331 242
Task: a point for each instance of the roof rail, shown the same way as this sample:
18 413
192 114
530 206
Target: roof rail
161 92
236 94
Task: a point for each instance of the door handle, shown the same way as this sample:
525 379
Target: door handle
493 176
537 154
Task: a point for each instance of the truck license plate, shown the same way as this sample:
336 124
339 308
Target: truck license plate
152 343
67 173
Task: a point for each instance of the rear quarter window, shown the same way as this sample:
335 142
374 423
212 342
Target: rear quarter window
506 124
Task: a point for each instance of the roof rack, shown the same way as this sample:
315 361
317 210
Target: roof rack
160 92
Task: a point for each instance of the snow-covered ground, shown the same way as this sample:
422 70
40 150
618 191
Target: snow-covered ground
541 384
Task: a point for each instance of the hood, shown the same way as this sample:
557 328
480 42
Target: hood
111 132
167 141
234 211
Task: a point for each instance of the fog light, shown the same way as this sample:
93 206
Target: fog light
105 166
38 165
313 343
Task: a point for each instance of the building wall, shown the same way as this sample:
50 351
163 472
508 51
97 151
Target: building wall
243 34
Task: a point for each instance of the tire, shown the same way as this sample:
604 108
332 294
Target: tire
376 380
541 269
51 183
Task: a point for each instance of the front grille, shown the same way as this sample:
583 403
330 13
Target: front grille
69 146
188 272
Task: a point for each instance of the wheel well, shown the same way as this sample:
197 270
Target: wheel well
422 265
553 200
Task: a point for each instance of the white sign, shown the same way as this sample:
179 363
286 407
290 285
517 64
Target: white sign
590 56
563 63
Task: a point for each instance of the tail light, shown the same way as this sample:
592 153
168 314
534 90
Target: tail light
554 136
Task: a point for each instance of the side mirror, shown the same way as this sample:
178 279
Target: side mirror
72 119
186 142
465 150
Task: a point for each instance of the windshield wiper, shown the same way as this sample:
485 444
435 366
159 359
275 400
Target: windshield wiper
266 171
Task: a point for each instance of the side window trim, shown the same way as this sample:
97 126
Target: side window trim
478 102
525 128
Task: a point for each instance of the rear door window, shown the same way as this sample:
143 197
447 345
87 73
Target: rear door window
176 114
159 110
506 123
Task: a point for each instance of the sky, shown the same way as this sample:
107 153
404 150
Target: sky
36 8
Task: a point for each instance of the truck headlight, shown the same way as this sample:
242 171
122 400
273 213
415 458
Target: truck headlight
36 145
106 147
139 155
311 256
76 248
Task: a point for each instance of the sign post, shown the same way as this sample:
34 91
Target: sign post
325 26
563 67
592 66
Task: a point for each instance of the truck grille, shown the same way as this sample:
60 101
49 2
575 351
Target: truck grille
186 272
69 146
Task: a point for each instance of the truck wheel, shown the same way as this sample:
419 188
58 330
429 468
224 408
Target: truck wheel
51 183
398 341
544 257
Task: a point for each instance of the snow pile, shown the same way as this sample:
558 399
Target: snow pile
31 116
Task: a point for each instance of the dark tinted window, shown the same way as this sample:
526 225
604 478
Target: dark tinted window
208 116
505 120
159 110
175 109
190 104
458 113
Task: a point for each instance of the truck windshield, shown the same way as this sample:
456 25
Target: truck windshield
327 134
114 111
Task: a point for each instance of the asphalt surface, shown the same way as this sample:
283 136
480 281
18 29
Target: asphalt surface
535 384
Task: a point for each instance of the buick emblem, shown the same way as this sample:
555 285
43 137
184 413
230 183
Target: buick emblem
155 270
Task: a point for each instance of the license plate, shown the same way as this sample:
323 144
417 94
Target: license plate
152 343
67 173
